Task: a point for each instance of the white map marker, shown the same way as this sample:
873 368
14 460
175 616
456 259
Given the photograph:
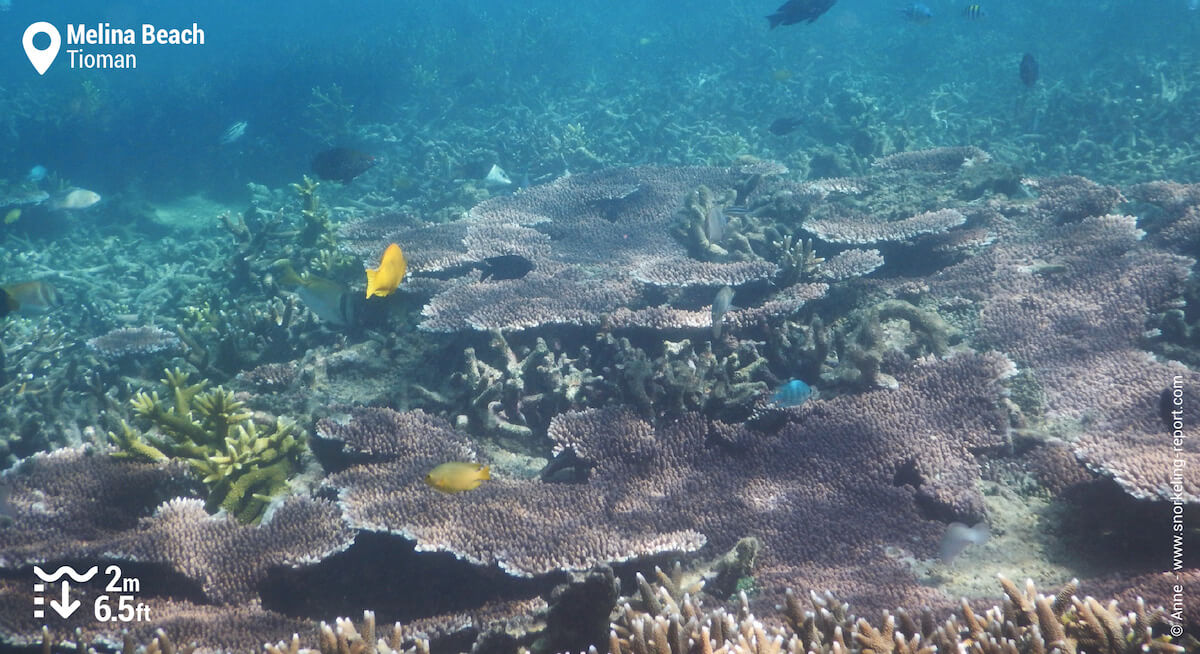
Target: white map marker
41 59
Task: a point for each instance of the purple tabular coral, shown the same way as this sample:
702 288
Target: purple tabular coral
134 341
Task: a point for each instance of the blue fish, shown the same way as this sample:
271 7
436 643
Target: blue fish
793 393
37 173
917 12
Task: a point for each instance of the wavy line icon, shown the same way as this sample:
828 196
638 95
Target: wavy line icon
68 571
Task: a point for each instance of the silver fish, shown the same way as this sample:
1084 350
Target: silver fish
235 132
958 536
715 223
76 198
720 305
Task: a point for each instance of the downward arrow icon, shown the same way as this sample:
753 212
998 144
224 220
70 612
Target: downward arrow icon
66 607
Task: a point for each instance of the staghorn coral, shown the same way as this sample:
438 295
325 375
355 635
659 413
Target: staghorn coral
515 399
1025 623
210 430
683 377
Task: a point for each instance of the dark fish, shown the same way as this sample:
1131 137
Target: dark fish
506 266
1029 70
973 12
341 164
917 12
795 11
783 126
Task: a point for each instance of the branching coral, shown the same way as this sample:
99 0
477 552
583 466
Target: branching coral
1026 623
515 399
684 377
244 468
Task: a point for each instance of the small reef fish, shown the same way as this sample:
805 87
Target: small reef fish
457 476
496 177
917 12
331 301
12 216
506 266
720 306
382 281
28 298
958 536
1029 70
782 126
75 199
793 393
37 174
795 11
342 164
715 222
974 12
234 132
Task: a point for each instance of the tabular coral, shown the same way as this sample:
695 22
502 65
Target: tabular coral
243 468
860 230
933 160
1069 302
527 527
134 341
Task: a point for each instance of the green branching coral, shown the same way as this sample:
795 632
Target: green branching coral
316 230
243 467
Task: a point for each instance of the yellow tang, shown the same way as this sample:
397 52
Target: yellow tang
383 280
12 216
457 476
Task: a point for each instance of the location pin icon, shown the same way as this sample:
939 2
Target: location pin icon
41 59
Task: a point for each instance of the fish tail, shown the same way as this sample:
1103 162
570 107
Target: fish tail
774 20
371 274
287 274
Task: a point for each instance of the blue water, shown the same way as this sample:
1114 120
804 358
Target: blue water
643 69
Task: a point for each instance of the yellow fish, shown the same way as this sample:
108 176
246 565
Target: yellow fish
383 280
12 216
457 476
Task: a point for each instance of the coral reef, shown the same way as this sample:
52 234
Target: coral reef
243 466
